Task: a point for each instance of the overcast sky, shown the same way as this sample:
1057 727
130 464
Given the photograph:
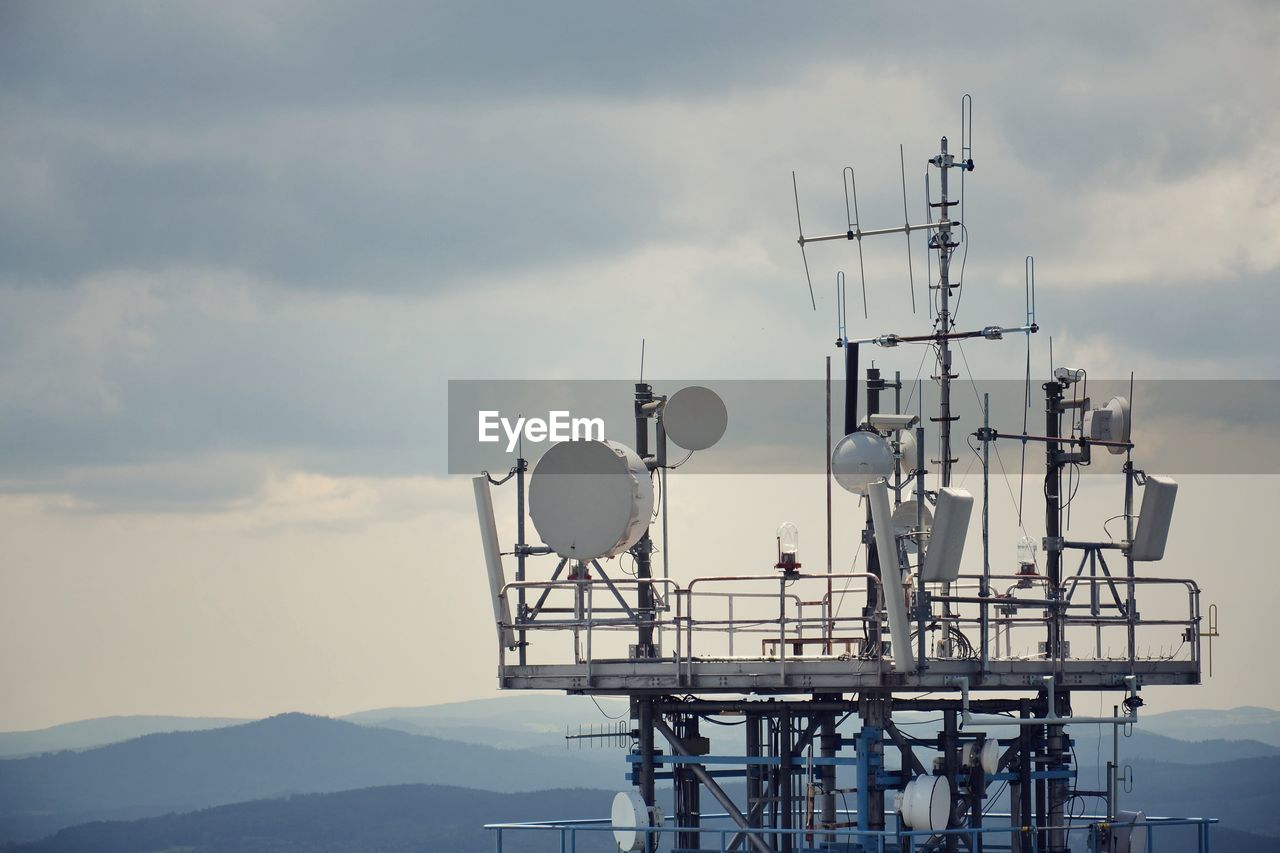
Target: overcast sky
244 246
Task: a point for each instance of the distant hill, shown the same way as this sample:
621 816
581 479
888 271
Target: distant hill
406 819
1227 777
1244 723
1148 745
290 753
1242 793
86 734
536 721
399 819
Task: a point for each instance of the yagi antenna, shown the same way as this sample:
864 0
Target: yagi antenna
906 225
855 229
796 192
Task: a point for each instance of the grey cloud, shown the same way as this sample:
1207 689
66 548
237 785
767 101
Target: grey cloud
409 146
412 153
314 206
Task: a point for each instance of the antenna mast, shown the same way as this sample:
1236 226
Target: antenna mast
943 241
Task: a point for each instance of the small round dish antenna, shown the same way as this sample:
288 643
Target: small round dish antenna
926 803
904 521
590 499
860 459
907 447
1109 423
695 417
627 817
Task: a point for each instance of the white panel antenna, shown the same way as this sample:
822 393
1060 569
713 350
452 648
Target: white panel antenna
946 542
895 600
1149 539
493 559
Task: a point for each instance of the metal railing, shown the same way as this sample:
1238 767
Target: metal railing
1091 831
709 622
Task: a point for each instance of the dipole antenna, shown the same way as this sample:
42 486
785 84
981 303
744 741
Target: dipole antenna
966 144
906 226
796 192
854 229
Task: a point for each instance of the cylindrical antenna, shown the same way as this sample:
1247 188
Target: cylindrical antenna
842 327
855 230
796 192
850 388
906 221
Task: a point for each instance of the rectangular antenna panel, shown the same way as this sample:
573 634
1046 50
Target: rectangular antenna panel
946 540
493 559
895 599
1153 523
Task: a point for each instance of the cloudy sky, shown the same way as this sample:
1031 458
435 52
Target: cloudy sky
244 246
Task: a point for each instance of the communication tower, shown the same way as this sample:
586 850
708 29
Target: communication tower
830 757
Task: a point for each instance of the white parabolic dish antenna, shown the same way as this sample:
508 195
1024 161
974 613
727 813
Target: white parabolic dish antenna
1109 423
628 813
590 499
695 417
904 521
860 459
926 803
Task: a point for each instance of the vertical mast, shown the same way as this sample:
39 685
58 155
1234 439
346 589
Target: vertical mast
942 241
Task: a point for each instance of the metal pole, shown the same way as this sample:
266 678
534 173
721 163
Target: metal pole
922 608
1130 603
643 549
787 779
943 243
644 724
521 466
1056 744
828 743
984 589
829 606
950 765
1053 511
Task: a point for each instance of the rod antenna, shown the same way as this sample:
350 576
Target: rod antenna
906 224
842 324
796 192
